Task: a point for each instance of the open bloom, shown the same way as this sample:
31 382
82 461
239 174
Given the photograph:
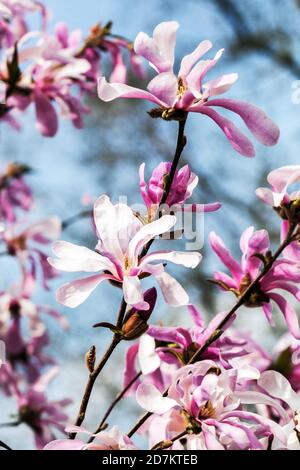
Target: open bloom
276 388
38 413
113 439
163 350
280 179
118 258
14 192
208 402
284 275
182 188
188 92
25 247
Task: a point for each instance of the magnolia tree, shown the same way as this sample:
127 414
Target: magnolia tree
208 387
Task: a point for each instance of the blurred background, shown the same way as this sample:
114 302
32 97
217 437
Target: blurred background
262 44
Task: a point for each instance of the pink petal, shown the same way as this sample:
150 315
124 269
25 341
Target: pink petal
282 177
190 60
289 314
265 195
148 358
238 140
65 444
172 291
278 386
220 85
261 126
224 254
47 122
111 91
196 315
164 87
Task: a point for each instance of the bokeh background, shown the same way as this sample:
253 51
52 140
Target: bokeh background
262 45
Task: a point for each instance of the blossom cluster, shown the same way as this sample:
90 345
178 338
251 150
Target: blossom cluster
54 71
204 387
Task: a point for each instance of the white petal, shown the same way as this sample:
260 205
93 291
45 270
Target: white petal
150 398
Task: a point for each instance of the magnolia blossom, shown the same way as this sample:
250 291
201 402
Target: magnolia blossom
25 247
187 91
280 179
286 359
182 188
284 275
113 439
13 23
163 350
14 192
209 405
121 238
278 387
38 413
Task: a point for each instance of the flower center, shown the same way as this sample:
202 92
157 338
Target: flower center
206 411
256 298
181 89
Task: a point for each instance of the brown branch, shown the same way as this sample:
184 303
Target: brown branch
166 444
114 403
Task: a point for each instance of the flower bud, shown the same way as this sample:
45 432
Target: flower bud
90 358
135 322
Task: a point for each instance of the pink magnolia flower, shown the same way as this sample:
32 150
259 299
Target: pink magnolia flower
121 238
25 247
187 91
40 414
280 179
113 439
284 275
13 23
211 408
46 79
182 188
163 350
286 359
14 192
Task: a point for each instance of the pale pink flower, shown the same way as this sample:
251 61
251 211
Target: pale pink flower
275 386
25 246
279 180
211 407
113 439
182 188
40 414
14 191
284 275
121 238
286 359
188 92
163 350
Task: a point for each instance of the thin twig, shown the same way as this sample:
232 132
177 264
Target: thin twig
166 444
114 403
5 446
75 218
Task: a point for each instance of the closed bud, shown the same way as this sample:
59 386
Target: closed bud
135 322
90 358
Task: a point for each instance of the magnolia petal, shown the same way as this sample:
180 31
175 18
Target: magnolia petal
278 386
74 258
111 91
173 293
261 126
289 314
282 177
46 116
190 60
164 86
238 140
150 398
187 259
76 292
133 293
148 358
